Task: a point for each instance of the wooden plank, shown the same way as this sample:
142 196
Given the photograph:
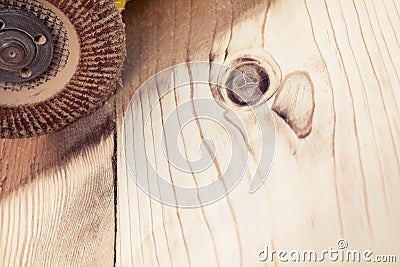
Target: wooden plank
57 196
338 178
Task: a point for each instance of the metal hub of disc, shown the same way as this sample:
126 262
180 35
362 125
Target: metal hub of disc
26 46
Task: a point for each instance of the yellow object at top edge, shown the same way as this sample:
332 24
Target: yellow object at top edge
120 4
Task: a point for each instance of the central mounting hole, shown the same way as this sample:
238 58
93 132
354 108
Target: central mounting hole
40 39
25 73
12 54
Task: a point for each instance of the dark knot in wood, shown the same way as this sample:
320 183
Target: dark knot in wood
248 89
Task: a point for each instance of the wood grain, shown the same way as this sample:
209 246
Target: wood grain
336 169
57 196
339 181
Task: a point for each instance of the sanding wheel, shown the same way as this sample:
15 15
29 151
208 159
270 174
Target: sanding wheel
59 60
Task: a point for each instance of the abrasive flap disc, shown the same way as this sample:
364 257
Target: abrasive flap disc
59 60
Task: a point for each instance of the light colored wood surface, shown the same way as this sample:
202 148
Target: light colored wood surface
340 180
335 174
57 196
